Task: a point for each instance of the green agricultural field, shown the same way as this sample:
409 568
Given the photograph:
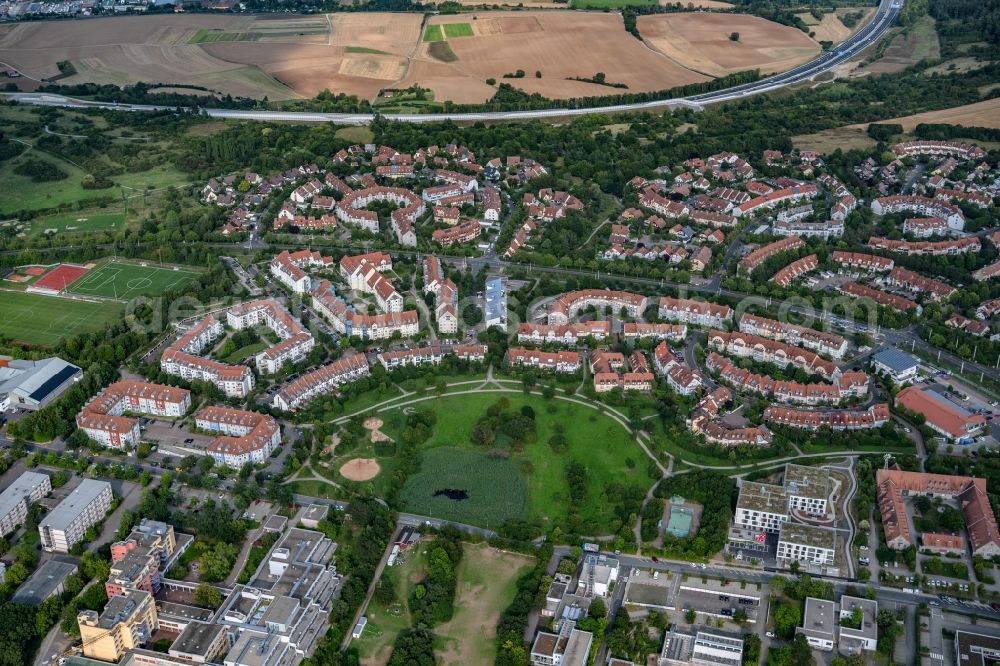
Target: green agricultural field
364 49
598 442
209 35
125 281
457 30
433 33
45 320
495 487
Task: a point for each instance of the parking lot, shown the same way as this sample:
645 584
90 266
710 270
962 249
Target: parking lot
174 440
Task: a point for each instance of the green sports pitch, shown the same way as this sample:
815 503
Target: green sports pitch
45 320
125 281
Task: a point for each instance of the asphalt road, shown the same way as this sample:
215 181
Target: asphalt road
827 60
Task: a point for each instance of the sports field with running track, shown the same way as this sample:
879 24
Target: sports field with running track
45 320
125 281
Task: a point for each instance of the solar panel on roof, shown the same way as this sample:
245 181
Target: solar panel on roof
53 382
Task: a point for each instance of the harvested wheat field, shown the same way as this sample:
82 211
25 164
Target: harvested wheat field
360 469
285 56
701 42
389 33
561 45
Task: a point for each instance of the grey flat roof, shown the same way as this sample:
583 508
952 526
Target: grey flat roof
975 648
43 582
197 638
22 487
763 497
70 508
35 380
808 535
896 360
819 618
811 482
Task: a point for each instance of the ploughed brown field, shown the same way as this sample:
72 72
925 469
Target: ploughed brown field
287 57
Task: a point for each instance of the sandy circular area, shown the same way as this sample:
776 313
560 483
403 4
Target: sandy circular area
360 469
373 423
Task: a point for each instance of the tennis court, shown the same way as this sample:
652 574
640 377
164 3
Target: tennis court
45 320
124 281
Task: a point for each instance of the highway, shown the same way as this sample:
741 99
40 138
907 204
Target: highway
884 17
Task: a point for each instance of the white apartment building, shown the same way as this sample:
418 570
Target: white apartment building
66 525
761 507
27 488
806 544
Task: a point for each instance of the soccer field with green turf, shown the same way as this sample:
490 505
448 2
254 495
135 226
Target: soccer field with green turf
125 281
45 320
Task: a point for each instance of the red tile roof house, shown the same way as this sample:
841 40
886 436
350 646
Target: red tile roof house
970 492
563 361
943 544
942 415
750 262
866 262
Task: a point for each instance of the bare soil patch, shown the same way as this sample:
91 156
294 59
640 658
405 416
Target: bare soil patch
701 42
360 469
300 56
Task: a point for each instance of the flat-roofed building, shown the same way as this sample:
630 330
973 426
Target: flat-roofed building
703 648
496 303
34 384
128 621
898 366
66 524
853 639
569 647
819 623
14 500
283 611
808 488
761 506
806 543
48 580
976 649
312 514
200 642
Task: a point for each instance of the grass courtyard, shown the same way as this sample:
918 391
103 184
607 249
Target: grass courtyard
125 281
603 446
45 320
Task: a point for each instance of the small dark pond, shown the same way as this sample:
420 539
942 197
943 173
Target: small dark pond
452 494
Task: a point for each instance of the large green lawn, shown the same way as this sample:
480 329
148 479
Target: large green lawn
601 444
20 192
45 320
96 220
124 281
